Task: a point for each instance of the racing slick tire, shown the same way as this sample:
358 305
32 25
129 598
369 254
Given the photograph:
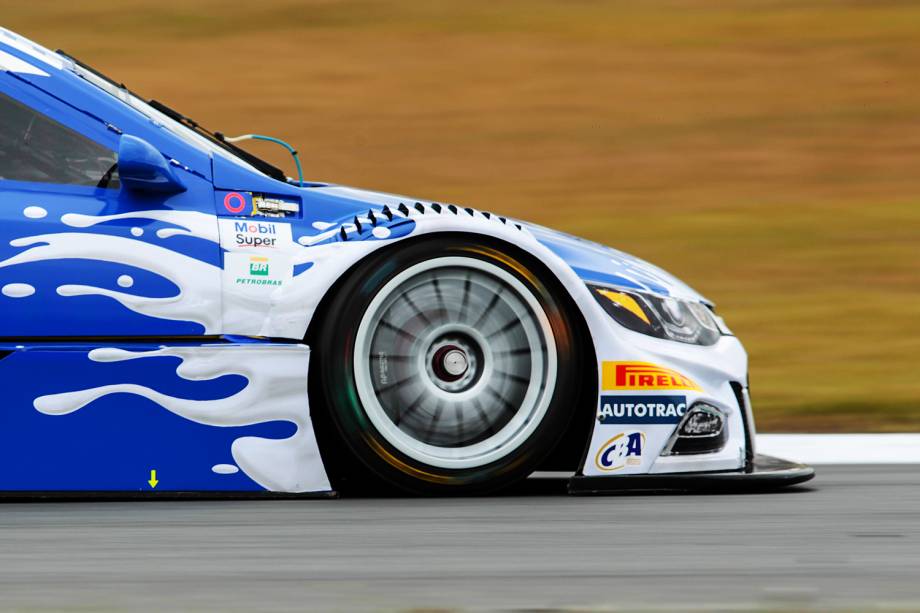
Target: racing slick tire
446 365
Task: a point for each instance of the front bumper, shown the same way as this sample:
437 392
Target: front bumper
764 473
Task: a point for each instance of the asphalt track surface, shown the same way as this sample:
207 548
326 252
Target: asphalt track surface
849 539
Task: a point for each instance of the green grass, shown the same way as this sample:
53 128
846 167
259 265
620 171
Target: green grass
767 152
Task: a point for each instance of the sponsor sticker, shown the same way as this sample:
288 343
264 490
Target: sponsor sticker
259 273
643 376
641 409
624 449
252 234
235 202
254 274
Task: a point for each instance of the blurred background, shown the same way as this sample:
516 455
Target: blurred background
766 152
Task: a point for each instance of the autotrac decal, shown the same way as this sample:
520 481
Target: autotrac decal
641 409
624 449
643 376
238 234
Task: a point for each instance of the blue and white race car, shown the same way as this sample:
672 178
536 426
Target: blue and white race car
178 316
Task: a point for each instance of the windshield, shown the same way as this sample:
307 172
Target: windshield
161 119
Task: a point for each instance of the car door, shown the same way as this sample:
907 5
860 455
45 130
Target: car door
80 255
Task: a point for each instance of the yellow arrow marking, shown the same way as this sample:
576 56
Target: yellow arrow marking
626 301
153 478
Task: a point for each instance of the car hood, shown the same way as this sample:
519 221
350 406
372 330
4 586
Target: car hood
592 262
596 263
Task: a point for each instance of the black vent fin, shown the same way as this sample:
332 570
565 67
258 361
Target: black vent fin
387 212
343 234
403 209
469 211
452 209
419 207
358 224
372 217
436 207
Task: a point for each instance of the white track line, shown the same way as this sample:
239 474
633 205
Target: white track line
842 448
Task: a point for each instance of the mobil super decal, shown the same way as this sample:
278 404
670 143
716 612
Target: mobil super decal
641 409
622 450
643 376
253 234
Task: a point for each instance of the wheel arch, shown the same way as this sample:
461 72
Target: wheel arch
568 453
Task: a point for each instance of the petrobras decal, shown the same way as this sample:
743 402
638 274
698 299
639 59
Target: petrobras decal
620 451
254 234
641 409
643 376
244 272
257 271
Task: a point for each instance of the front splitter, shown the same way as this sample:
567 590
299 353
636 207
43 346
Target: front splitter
765 473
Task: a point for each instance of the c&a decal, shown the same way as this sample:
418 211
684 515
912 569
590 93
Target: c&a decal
643 376
624 449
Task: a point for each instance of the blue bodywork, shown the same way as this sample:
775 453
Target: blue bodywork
115 442
46 335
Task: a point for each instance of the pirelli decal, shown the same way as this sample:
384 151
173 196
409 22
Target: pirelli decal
643 376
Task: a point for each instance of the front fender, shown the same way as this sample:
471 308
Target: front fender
318 260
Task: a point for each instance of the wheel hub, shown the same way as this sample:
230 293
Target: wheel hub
455 361
450 363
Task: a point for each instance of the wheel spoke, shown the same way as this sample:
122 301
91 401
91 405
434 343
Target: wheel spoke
518 351
458 415
429 433
413 407
415 308
467 285
395 384
440 298
485 313
399 331
512 376
505 403
514 323
490 427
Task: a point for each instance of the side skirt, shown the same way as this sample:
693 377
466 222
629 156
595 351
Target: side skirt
143 420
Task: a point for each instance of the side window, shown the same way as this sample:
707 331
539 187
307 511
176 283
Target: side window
34 147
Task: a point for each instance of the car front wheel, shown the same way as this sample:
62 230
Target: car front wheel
447 366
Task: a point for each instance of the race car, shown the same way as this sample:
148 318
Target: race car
180 317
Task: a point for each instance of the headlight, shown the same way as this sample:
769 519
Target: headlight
678 320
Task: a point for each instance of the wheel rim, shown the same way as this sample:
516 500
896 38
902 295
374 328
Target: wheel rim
455 362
